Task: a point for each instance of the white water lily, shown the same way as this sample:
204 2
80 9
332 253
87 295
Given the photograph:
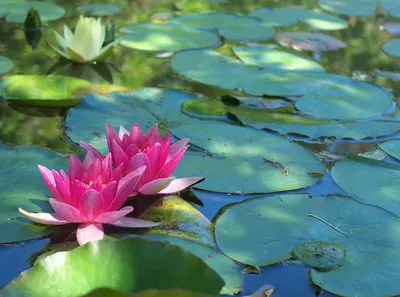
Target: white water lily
85 44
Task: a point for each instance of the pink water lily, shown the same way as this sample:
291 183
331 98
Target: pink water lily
131 150
91 195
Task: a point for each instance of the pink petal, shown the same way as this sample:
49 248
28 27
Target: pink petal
89 159
108 193
117 173
44 218
75 167
122 132
181 184
126 222
111 217
165 139
177 146
131 151
65 179
152 135
89 232
107 169
171 164
94 170
154 155
61 188
166 145
118 155
77 190
91 204
95 152
138 161
50 182
67 212
125 187
155 186
111 135
136 136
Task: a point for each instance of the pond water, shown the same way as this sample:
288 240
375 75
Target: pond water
129 69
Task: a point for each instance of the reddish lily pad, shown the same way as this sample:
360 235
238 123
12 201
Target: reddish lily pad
309 41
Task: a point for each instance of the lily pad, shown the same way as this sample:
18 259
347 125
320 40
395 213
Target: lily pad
275 59
286 123
212 68
320 255
263 231
230 26
105 292
350 7
87 120
391 27
41 90
166 37
6 65
309 41
23 186
124 258
99 9
323 21
391 75
392 47
372 266
16 11
325 95
392 147
391 6
254 162
370 181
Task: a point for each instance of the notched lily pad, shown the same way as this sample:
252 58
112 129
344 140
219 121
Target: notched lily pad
392 47
320 255
309 41
16 11
350 7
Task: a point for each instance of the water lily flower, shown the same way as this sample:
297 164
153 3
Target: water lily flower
85 44
133 150
91 195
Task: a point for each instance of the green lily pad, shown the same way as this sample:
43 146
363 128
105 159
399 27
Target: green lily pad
166 37
225 267
87 120
372 266
325 95
392 147
212 68
391 27
82 270
370 181
16 11
309 41
387 74
230 26
350 7
23 186
286 123
99 9
244 160
275 59
41 90
263 231
391 6
105 292
6 65
320 255
288 16
392 47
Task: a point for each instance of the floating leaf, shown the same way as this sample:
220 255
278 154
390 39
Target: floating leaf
325 95
369 181
104 292
285 123
309 41
254 162
166 37
391 6
391 27
132 260
392 147
99 9
6 65
230 26
41 90
350 7
87 120
322 21
392 47
391 75
16 11
320 255
263 231
23 186
271 59
265 291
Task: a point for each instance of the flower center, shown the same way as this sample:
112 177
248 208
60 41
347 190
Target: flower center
90 184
